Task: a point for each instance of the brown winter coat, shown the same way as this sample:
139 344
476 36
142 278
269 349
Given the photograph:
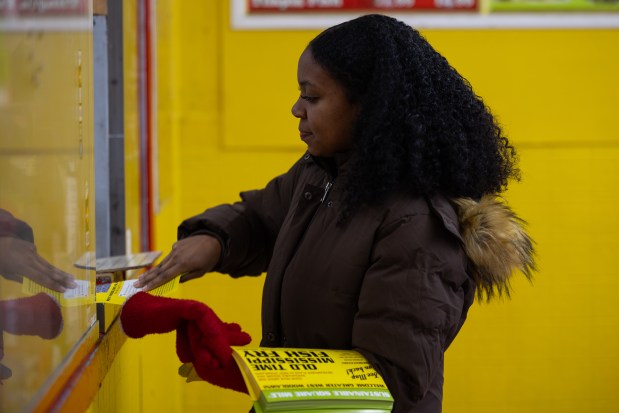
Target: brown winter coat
394 283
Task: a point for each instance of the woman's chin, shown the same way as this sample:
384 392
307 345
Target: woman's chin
313 151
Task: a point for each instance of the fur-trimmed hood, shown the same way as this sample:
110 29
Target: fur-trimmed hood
496 242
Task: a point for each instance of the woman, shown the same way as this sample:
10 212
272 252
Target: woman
379 236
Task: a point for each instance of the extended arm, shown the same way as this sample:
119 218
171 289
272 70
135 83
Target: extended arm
236 239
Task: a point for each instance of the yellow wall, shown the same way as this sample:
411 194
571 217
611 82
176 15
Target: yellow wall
224 125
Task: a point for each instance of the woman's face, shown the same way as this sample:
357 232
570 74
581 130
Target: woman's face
326 116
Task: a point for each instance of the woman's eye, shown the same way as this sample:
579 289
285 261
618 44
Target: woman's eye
310 99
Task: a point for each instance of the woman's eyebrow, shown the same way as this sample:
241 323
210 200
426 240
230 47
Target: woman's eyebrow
304 83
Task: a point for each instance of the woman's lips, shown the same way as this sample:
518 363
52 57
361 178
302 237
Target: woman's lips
305 135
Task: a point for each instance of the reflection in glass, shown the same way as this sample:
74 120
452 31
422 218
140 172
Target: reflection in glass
19 257
46 194
38 315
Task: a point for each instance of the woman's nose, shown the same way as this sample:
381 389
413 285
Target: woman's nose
297 109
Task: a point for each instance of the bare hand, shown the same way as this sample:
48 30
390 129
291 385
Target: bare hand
192 257
19 258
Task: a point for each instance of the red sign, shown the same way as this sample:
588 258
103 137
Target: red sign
34 8
295 6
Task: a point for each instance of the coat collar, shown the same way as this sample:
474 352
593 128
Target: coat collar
333 165
446 212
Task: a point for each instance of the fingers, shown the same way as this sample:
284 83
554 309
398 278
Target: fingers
157 276
232 327
22 259
183 348
166 260
49 276
190 276
236 336
56 275
163 272
46 282
191 257
202 347
159 270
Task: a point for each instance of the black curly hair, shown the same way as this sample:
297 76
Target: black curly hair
421 127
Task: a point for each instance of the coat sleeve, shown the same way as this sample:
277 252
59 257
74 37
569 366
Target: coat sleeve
412 302
247 229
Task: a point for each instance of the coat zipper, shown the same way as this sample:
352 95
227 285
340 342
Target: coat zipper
322 199
327 189
309 224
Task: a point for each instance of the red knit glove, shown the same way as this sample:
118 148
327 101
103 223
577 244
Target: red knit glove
144 314
38 315
192 347
202 338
